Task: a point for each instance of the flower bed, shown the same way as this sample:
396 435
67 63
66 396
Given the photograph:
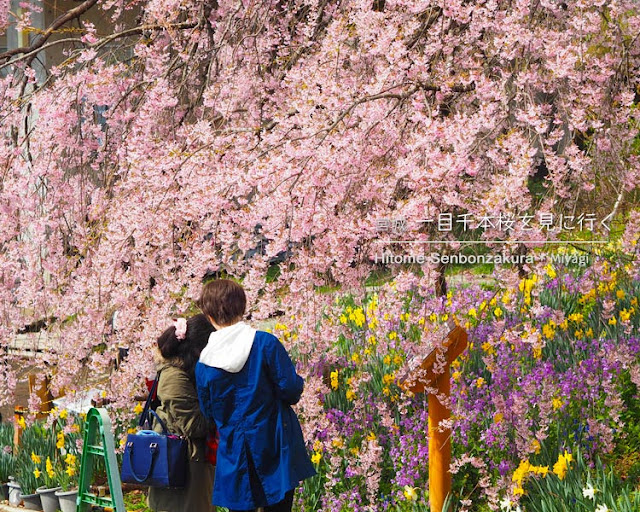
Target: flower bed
547 389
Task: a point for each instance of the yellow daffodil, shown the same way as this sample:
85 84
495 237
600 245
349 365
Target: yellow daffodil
535 444
334 379
562 465
521 471
548 330
488 348
49 468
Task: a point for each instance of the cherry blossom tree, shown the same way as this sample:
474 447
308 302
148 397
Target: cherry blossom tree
266 139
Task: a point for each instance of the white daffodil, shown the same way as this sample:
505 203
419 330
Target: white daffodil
589 492
506 504
602 508
410 493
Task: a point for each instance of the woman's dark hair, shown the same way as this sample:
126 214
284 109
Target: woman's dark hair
186 350
223 300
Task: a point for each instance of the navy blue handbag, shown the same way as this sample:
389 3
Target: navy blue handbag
150 458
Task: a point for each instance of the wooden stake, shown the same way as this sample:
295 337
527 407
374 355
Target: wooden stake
439 446
417 379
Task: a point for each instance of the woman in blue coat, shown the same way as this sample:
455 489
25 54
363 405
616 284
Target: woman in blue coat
247 383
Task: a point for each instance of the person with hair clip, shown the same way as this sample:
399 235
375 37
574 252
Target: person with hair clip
179 348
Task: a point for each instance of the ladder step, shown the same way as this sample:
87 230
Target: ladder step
92 499
95 450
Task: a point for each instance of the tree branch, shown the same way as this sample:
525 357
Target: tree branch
58 22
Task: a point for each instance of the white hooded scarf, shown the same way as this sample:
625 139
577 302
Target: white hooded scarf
228 348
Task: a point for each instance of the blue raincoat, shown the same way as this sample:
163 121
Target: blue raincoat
247 384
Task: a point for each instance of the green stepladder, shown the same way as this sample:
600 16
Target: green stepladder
98 428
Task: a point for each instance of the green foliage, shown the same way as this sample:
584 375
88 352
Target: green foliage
25 476
6 451
136 501
571 494
7 463
6 434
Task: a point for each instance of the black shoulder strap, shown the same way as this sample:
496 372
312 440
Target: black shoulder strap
144 416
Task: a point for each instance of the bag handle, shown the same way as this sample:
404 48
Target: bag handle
165 431
153 447
144 415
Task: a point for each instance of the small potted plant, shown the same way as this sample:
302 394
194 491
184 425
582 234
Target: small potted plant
6 458
67 474
27 478
7 462
49 487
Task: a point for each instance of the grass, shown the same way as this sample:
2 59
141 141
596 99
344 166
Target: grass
136 501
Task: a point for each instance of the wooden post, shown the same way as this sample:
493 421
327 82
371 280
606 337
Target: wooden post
43 392
439 446
420 376
17 431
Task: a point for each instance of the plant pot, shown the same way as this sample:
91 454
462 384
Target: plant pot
50 502
14 493
4 491
67 500
31 501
